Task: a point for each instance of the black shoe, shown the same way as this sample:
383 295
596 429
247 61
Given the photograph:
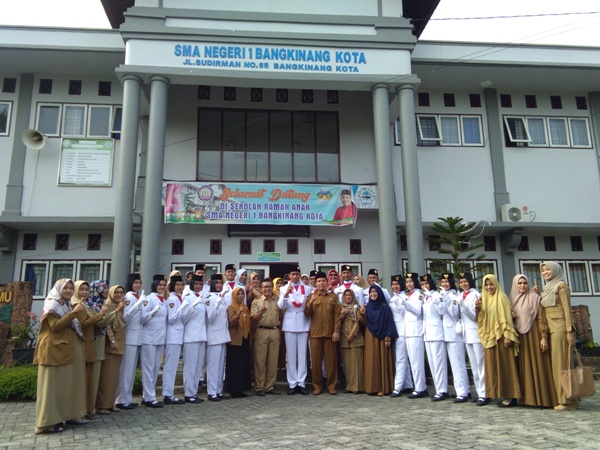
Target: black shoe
154 404
301 390
406 391
172 401
224 397
510 404
291 391
395 394
421 394
260 392
440 397
126 406
460 399
214 398
238 395
193 400
273 392
482 401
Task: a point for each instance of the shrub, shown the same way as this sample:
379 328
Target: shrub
18 382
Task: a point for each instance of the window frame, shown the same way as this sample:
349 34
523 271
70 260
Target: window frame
66 106
586 277
55 263
437 127
567 132
109 124
58 124
513 139
8 117
595 289
587 129
462 130
100 263
459 134
546 137
44 287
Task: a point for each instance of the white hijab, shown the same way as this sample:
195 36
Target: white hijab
55 304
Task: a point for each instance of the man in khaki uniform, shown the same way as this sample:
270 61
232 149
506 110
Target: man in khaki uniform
265 316
323 308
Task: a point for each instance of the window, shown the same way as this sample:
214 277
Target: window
576 243
75 87
36 273
550 243
595 272
472 134
61 242
177 247
48 119
256 95
99 122
355 247
74 120
581 102
281 95
475 100
5 109
104 88
326 267
319 247
530 101
245 246
578 277
263 146
556 102
89 271
423 98
532 271
9 86
524 244
203 92
116 120
428 127
94 242
229 94
532 131
61 269
45 86
333 97
215 247
307 96
30 241
403 243
269 245
449 100
449 130
292 246
505 101
489 243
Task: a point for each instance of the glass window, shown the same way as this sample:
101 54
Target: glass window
328 166
578 277
74 120
60 270
517 131
48 119
234 140
281 146
304 147
117 118
89 271
595 277
532 271
428 128
471 130
537 131
99 121
257 146
209 145
580 135
4 118
557 128
36 273
450 132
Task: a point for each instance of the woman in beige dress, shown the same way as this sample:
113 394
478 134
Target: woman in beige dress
556 300
500 343
352 341
535 370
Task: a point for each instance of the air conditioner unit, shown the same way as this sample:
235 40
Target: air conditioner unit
516 213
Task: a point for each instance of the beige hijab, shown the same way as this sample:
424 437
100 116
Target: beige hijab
495 319
118 323
524 305
558 276
75 300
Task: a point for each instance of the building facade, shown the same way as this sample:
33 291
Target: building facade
296 97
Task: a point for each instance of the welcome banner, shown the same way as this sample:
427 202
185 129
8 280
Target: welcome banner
267 204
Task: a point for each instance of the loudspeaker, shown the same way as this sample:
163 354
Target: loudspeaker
33 139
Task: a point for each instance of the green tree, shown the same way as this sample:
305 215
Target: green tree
454 240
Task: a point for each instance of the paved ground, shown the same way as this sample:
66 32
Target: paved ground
325 422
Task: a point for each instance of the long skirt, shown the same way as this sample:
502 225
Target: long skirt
501 376
379 365
238 377
109 379
354 365
52 405
559 354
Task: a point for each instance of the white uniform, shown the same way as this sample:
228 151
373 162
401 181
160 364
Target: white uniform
433 310
413 332
194 342
471 335
386 294
205 290
228 289
358 292
217 337
295 331
455 343
174 341
132 315
154 320
403 378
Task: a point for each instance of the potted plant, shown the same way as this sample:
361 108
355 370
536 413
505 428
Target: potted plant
25 339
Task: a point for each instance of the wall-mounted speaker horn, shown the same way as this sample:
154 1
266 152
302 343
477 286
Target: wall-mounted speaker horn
33 139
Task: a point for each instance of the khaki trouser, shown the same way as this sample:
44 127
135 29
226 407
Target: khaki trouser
266 354
320 347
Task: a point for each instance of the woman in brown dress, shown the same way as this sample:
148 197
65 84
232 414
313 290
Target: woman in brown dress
352 341
115 346
535 370
556 300
380 330
237 366
500 343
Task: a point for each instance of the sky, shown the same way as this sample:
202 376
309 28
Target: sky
557 22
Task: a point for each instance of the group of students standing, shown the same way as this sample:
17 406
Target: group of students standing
92 336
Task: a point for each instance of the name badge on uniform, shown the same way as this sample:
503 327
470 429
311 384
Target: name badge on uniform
145 302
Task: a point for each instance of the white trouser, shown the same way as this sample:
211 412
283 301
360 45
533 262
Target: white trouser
401 358
194 356
416 356
215 367
127 373
438 364
475 352
295 346
458 363
151 356
172 352
408 382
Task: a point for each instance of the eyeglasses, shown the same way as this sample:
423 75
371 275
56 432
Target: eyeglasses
119 293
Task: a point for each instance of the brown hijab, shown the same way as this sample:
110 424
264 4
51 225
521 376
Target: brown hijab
244 320
524 305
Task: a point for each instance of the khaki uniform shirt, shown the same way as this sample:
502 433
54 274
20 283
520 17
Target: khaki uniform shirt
324 311
270 317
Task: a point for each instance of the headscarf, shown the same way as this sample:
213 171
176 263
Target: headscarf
495 319
558 276
244 320
252 275
118 323
76 300
362 282
524 305
350 306
380 320
96 298
337 280
237 277
55 304
275 288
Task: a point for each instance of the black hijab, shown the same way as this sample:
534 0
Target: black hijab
380 320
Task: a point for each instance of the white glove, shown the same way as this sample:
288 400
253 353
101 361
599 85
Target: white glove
155 310
197 302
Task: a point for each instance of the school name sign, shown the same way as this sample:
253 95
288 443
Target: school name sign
267 58
276 204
